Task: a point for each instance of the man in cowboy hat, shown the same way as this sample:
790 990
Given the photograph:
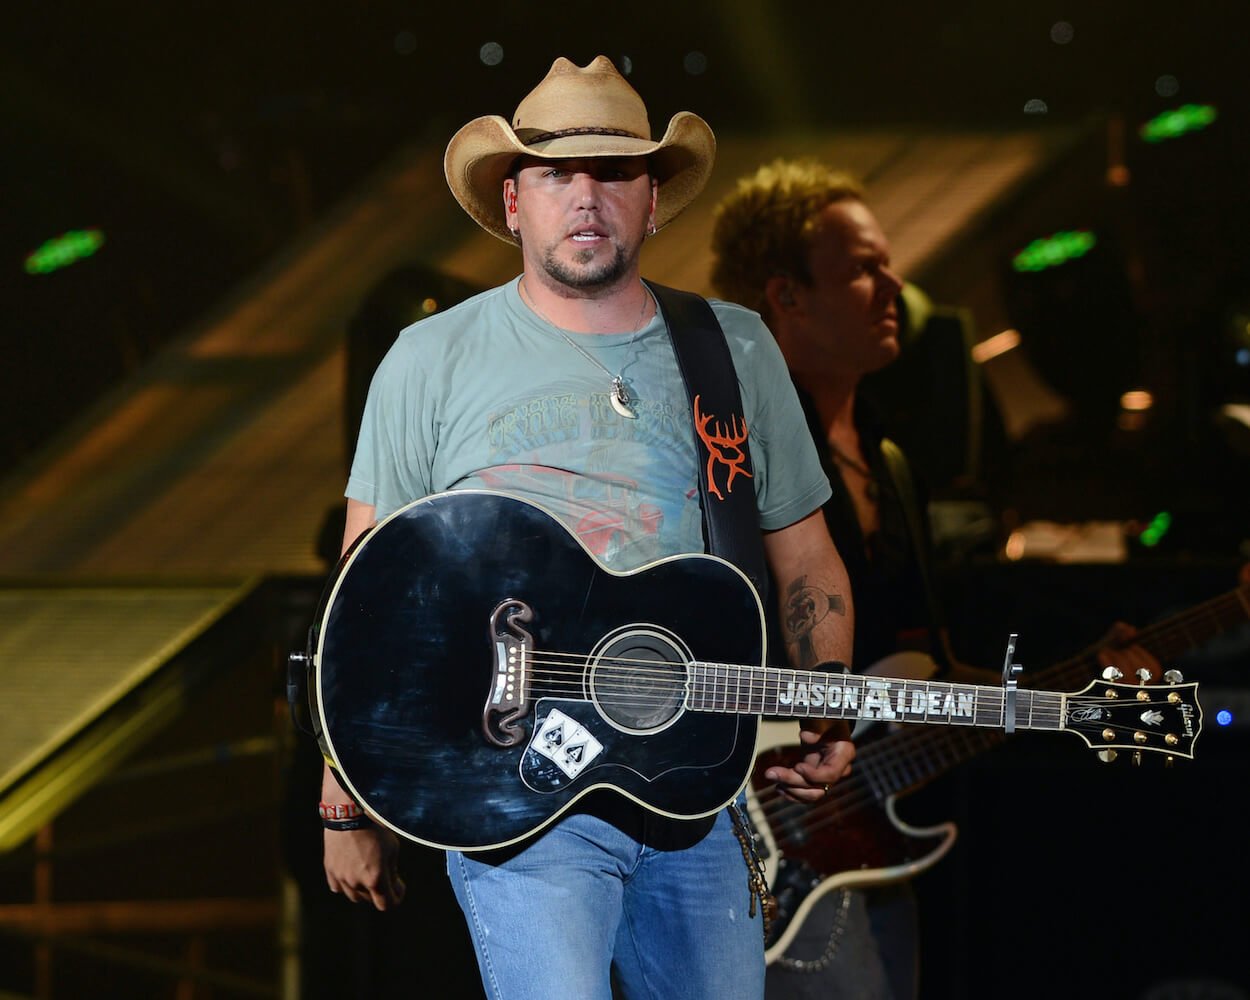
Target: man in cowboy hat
562 386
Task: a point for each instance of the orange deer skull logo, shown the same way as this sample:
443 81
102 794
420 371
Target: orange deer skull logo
724 446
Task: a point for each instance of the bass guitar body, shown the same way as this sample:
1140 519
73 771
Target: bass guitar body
854 839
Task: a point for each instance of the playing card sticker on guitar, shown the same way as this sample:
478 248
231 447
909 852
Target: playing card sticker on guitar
566 743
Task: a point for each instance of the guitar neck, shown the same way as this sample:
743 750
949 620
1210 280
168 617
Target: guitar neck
1166 640
734 689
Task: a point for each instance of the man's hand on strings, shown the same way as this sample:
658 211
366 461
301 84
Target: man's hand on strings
828 758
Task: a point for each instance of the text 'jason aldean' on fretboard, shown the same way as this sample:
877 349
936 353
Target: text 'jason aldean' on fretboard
725 687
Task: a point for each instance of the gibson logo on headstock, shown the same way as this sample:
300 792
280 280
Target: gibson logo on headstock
1187 713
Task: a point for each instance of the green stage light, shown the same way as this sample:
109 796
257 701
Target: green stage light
1051 251
1156 529
1170 124
63 250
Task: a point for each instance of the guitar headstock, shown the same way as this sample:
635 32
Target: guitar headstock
1158 718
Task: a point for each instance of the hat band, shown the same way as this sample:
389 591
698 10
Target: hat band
585 130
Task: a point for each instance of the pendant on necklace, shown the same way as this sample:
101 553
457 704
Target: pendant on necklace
621 399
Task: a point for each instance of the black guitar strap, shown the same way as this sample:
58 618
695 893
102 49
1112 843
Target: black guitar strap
900 473
731 524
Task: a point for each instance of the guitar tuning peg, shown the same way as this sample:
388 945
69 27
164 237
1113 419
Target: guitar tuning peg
1173 676
1111 674
1107 756
1144 675
1137 758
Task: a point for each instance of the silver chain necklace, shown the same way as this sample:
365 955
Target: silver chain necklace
621 399
872 489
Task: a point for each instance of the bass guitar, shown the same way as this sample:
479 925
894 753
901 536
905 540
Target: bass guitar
476 670
854 837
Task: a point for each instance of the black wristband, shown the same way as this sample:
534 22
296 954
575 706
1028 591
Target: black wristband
355 823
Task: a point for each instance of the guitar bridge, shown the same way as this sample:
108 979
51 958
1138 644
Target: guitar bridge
507 701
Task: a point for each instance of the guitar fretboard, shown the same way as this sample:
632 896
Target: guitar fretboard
735 689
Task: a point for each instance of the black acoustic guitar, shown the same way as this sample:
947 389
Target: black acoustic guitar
476 671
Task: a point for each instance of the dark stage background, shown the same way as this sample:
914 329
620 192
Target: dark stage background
205 140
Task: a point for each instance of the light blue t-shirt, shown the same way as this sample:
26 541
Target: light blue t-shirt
487 395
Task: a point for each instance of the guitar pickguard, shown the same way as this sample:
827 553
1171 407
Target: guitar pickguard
559 751
574 746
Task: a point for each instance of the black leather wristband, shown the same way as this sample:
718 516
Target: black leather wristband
355 823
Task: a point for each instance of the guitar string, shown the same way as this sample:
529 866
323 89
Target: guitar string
1225 610
1046 705
579 662
736 675
651 668
1047 717
845 798
626 670
879 757
553 658
627 674
756 702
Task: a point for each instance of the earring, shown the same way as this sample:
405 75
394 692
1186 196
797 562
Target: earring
651 230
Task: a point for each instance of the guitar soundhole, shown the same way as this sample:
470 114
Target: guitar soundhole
638 678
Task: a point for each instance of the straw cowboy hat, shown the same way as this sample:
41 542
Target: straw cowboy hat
574 112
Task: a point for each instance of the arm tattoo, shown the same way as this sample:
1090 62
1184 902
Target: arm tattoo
805 608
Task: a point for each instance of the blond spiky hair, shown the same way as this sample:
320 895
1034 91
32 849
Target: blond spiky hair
762 229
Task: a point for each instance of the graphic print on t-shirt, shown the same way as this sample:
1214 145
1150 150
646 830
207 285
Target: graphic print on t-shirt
625 487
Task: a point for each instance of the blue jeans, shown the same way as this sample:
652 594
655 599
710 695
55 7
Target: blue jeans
614 896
